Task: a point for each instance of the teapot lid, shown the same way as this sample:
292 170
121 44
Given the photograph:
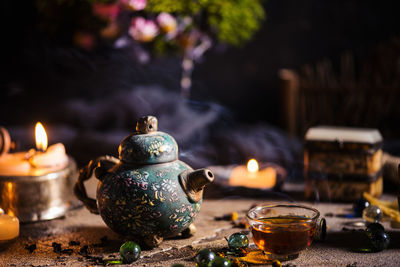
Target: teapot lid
147 145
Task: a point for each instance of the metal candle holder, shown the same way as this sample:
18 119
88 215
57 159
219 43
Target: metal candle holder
45 196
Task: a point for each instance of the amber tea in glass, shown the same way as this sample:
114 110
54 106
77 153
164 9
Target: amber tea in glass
282 230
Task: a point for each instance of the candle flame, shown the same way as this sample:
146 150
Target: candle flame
41 137
252 166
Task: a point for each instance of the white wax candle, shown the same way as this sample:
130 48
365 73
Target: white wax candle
263 179
9 227
54 156
14 164
34 163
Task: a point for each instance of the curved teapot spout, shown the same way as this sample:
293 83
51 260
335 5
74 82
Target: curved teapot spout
193 182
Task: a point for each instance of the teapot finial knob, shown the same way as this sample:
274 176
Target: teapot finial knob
147 124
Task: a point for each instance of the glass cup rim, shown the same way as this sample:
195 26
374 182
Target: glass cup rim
313 218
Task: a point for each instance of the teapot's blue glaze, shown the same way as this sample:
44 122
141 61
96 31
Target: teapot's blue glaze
146 200
148 192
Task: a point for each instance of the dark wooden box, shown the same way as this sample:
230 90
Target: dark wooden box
342 163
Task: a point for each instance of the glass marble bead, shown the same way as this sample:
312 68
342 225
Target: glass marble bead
130 252
204 257
238 241
380 241
372 214
359 206
377 236
374 228
320 232
220 262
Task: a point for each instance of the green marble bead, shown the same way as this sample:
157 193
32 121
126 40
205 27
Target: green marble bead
204 257
237 242
377 236
220 262
130 252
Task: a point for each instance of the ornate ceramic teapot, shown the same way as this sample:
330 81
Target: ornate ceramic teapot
148 192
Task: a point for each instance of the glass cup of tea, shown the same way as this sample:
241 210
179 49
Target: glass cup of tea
281 231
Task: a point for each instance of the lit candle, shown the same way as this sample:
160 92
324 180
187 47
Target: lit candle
9 227
14 164
34 162
252 177
35 184
44 157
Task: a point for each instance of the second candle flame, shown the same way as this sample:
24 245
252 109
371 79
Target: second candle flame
252 166
41 137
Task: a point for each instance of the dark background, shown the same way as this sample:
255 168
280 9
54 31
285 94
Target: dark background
37 74
90 100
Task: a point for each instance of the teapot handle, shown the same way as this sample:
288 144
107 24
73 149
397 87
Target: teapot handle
98 165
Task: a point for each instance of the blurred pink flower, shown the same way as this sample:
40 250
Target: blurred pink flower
136 5
106 11
167 22
143 30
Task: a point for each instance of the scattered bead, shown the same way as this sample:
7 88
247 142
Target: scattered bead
377 236
359 206
276 263
238 242
220 262
380 241
374 228
130 252
372 213
320 233
204 257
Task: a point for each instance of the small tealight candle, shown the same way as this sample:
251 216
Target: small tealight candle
252 177
44 157
35 161
54 156
14 164
9 227
36 183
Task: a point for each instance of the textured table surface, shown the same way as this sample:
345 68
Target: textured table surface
88 229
